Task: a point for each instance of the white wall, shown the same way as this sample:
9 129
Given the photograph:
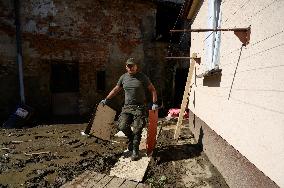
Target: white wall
252 119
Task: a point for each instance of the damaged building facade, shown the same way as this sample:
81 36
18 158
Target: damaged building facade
74 52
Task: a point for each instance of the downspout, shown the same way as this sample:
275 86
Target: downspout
19 50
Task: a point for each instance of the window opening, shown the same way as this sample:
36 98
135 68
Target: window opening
64 77
101 80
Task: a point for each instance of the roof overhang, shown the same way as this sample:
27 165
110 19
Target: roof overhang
191 9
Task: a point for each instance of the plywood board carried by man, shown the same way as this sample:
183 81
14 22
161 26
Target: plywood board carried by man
102 122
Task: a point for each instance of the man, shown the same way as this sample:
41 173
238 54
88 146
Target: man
134 84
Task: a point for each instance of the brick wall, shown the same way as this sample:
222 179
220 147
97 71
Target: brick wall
99 35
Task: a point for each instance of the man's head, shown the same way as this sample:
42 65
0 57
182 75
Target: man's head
131 66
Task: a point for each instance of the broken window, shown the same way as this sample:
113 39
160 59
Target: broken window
213 38
64 77
101 79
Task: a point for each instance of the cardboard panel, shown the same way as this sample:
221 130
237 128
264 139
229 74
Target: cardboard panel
103 122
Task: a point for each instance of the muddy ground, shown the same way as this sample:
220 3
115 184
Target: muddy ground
48 156
181 163
51 155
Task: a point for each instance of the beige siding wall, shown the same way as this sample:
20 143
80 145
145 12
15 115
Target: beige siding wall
252 119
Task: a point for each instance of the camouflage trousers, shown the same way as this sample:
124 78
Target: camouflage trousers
132 115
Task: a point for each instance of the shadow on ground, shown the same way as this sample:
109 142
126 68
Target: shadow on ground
181 163
177 152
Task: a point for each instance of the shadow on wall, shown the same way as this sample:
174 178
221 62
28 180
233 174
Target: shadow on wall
241 50
200 139
213 80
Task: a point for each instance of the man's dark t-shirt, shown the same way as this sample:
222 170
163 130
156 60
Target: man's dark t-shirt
134 87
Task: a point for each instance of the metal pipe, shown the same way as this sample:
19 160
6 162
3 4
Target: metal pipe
206 30
19 50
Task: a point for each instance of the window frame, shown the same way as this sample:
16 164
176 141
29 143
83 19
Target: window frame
213 38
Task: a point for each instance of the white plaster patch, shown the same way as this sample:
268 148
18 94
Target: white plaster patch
43 8
30 26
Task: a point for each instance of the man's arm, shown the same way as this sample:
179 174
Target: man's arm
113 92
153 91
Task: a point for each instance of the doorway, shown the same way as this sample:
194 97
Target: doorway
64 85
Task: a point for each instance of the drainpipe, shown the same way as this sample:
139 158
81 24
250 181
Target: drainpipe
19 49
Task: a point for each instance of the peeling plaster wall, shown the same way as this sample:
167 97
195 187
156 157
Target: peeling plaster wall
99 35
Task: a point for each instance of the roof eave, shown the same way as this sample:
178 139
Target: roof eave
194 6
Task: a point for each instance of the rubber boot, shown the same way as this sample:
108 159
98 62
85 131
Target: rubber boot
135 153
130 143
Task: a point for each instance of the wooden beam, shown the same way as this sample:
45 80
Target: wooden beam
185 96
206 30
196 59
242 33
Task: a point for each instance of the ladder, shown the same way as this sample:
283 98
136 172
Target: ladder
185 95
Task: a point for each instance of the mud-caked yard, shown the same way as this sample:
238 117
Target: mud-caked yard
52 155
49 156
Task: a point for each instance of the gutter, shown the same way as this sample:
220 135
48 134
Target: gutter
19 50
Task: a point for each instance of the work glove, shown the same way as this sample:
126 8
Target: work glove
155 106
104 102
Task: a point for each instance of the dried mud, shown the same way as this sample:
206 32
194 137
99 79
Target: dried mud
49 156
181 163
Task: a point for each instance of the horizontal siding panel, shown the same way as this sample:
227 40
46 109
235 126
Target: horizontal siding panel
267 128
252 119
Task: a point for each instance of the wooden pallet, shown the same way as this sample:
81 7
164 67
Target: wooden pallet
93 179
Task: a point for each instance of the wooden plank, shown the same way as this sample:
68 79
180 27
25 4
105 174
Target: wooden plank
185 97
93 181
115 182
78 180
86 182
104 181
141 185
97 176
102 124
133 170
130 170
80 177
129 184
